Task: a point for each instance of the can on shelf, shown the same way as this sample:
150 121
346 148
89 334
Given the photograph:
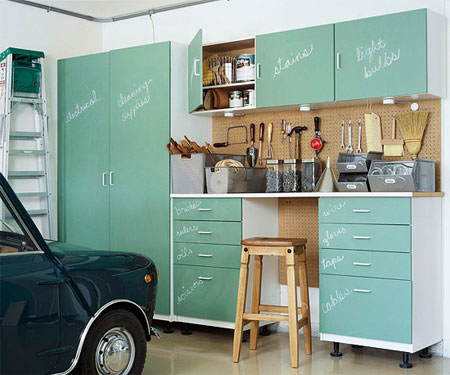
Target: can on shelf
245 68
249 98
236 99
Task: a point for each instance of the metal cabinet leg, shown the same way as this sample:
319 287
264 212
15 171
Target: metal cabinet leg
405 363
169 328
336 353
425 354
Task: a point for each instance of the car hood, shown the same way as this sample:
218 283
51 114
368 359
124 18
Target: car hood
79 257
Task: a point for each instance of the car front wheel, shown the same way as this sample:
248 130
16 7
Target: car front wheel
115 345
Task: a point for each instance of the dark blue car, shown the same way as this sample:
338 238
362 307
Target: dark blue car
69 309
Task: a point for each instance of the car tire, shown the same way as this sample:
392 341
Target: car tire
115 345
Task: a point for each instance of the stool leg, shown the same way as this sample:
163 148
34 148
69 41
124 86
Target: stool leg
304 292
292 305
256 300
240 306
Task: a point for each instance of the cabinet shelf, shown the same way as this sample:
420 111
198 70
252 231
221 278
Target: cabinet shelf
231 85
221 112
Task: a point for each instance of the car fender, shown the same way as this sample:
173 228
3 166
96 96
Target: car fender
95 317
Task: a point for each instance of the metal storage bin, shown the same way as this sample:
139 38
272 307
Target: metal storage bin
416 175
224 180
357 163
292 175
311 171
350 182
188 171
274 176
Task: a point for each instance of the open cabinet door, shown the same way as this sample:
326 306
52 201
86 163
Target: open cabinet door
195 71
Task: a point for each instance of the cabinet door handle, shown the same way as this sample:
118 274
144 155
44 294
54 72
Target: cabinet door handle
361 211
362 264
258 71
362 290
104 179
111 182
201 232
205 255
196 73
204 209
361 237
205 278
338 61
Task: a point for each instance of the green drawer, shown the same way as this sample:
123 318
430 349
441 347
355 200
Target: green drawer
205 292
226 209
218 232
365 237
365 263
377 309
196 254
365 210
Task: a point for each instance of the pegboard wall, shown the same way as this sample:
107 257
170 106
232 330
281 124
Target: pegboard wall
298 217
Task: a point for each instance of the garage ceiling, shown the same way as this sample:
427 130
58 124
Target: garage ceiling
104 9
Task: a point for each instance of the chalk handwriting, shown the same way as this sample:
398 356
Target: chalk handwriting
332 235
335 299
81 107
184 253
190 207
187 229
332 263
334 208
376 57
134 100
187 291
285 63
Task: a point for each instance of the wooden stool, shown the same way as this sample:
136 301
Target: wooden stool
294 252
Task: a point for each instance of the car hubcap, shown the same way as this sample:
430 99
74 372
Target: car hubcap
115 352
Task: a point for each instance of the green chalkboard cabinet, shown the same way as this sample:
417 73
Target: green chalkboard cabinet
401 55
295 67
380 275
114 168
392 55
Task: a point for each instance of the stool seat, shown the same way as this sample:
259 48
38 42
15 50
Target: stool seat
273 242
293 251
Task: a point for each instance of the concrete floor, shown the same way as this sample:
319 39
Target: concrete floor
208 351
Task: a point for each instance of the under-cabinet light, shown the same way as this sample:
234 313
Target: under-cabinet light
305 107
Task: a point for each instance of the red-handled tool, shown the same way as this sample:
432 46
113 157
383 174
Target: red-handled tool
261 139
317 142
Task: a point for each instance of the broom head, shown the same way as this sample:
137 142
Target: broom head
412 126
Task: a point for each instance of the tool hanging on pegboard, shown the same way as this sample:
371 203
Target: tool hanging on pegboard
317 142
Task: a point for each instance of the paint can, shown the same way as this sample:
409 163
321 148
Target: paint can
249 98
245 68
236 99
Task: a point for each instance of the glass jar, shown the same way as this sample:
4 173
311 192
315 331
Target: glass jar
274 176
292 175
311 171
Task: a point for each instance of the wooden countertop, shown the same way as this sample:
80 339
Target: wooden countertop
313 195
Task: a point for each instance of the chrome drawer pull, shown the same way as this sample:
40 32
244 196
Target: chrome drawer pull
362 290
361 237
361 264
204 209
205 278
361 211
200 232
205 255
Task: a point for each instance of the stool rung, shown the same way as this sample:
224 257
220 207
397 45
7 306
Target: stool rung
278 309
302 322
266 317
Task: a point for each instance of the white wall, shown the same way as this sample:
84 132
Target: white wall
238 19
58 37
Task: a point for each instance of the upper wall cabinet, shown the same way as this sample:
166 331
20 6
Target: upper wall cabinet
295 67
195 72
392 55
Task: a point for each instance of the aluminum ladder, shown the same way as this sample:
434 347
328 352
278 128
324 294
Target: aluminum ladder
24 145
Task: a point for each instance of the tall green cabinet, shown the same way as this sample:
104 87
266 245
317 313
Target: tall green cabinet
114 121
